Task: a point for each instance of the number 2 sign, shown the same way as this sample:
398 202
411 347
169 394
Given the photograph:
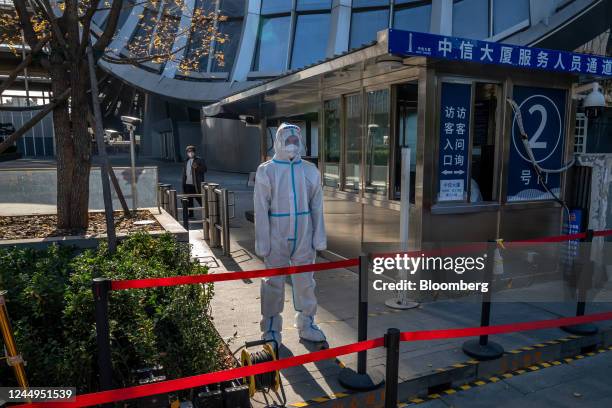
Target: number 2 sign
543 113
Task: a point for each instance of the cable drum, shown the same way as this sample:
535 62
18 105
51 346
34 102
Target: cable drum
264 382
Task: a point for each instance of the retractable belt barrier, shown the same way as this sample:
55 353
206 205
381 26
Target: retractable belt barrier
110 396
140 391
317 267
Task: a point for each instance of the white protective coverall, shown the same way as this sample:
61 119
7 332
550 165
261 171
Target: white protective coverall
289 229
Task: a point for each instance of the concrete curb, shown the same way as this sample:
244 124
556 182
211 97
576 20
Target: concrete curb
463 376
168 223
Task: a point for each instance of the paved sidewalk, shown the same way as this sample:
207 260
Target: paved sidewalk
583 383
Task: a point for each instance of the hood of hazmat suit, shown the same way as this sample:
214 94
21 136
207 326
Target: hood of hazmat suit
289 228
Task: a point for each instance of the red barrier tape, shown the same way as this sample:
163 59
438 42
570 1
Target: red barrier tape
261 273
225 375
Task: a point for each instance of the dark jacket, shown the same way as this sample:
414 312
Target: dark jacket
198 168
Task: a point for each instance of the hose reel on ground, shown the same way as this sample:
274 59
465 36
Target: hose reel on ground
265 382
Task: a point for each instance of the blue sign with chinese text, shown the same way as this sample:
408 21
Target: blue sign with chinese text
543 113
485 52
454 115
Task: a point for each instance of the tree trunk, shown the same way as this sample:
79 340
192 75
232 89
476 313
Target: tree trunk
73 145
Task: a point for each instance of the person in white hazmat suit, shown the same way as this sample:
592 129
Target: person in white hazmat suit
289 229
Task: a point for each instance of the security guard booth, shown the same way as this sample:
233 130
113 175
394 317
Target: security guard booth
445 99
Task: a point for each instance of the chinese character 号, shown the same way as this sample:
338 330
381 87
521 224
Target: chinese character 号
526 177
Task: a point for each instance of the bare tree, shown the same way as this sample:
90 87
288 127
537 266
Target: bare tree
58 35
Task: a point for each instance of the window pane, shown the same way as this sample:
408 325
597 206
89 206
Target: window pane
413 18
233 8
352 178
377 142
229 47
310 42
370 3
483 143
471 19
331 159
275 6
272 45
509 13
365 25
313 4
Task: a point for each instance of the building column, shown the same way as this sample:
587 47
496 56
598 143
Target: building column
248 42
340 28
441 17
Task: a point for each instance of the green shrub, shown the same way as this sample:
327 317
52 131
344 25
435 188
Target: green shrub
50 302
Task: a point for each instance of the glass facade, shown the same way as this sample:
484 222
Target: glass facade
272 44
415 18
471 19
365 24
275 6
310 42
507 14
377 147
303 5
353 144
331 156
233 8
229 47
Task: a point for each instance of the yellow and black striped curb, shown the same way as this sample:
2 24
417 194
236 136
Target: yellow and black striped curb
536 366
501 377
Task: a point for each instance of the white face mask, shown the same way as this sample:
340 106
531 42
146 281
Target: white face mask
292 150
191 155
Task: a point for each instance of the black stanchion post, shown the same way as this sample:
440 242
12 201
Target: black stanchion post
483 349
185 210
392 344
101 288
584 279
361 379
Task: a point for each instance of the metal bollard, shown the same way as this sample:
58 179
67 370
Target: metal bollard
172 204
204 192
584 279
213 215
158 197
225 221
185 211
361 379
392 344
483 349
164 196
101 288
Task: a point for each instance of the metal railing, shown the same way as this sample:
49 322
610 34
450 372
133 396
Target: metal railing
217 208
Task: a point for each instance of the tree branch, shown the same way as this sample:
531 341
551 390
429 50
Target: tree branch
24 21
111 26
86 23
35 119
25 63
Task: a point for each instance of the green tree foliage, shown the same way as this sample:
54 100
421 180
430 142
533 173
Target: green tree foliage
50 303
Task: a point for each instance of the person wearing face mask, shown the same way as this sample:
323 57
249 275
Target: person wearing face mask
289 229
193 175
